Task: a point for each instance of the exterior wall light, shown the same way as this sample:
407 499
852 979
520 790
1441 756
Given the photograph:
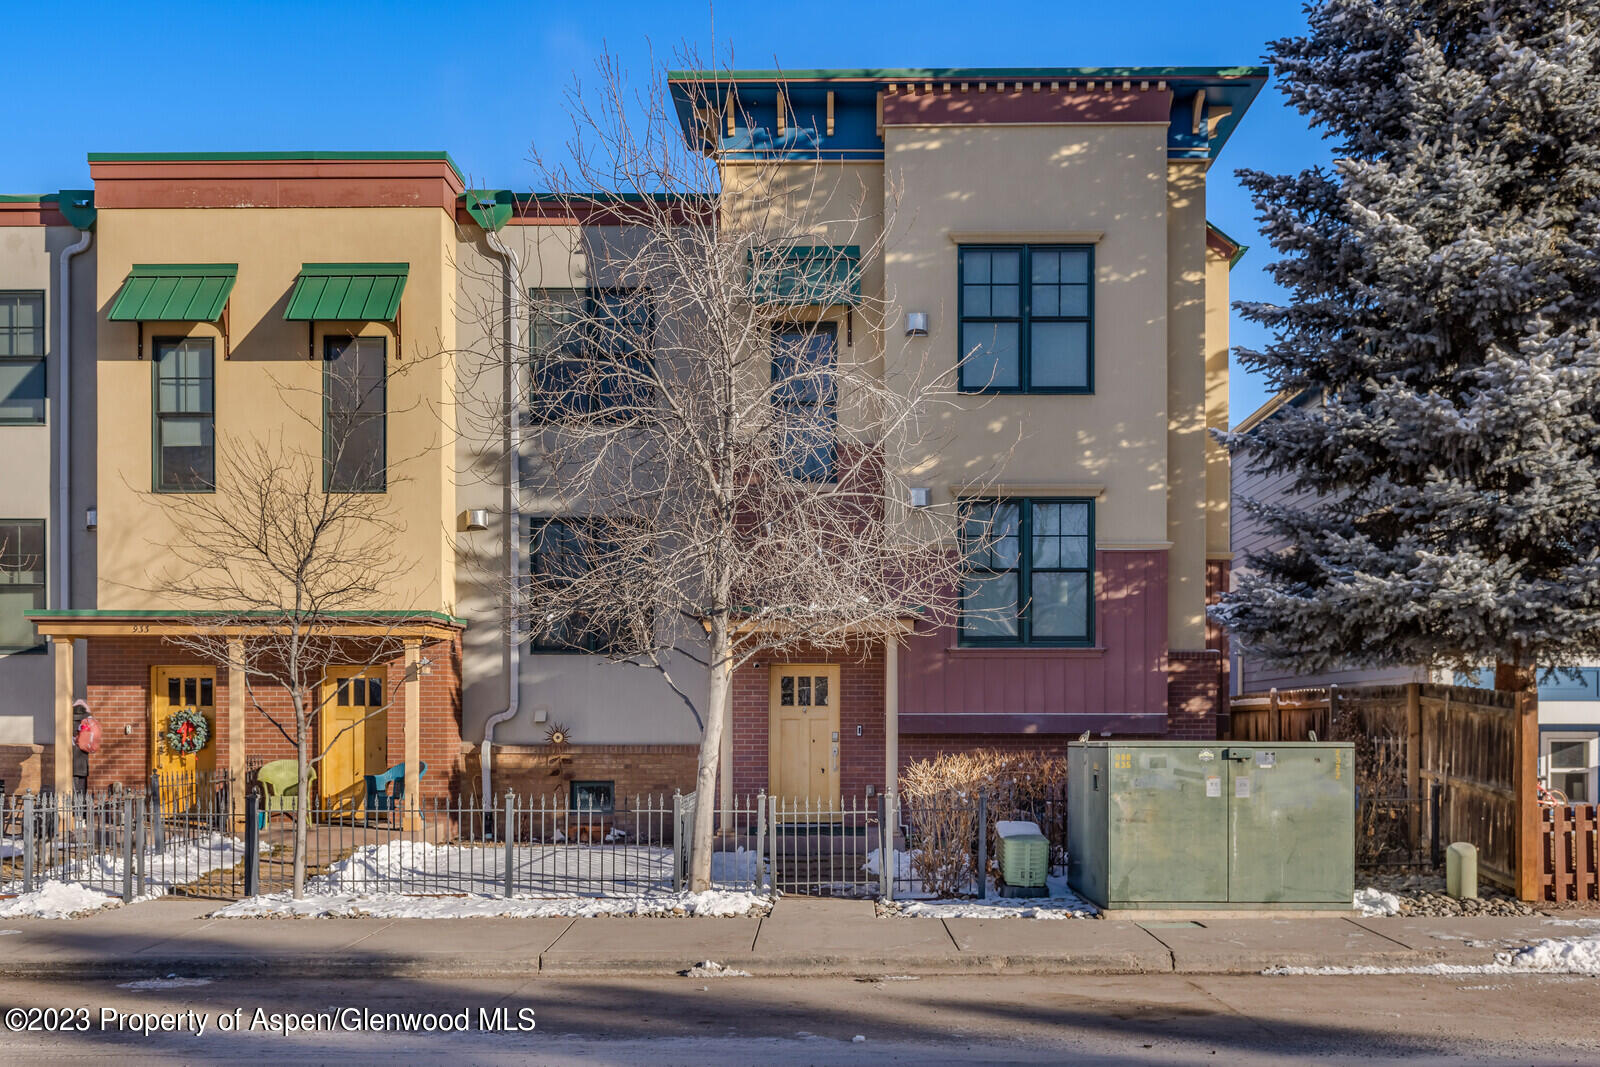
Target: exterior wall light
91 518
920 496
476 519
916 324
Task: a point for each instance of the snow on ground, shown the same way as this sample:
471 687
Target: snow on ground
714 903
1062 903
98 878
1372 903
713 969
1561 955
171 981
56 900
9 847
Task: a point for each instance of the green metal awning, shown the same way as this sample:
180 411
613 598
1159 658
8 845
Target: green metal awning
807 275
350 292
175 292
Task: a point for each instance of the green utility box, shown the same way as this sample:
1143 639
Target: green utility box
1211 825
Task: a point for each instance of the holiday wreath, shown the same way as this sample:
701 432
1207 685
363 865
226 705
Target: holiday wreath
187 732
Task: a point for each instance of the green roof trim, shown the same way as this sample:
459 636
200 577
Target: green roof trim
910 73
808 275
269 157
490 208
175 292
1239 249
386 614
350 292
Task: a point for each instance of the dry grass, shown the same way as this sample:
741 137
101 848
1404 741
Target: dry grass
939 801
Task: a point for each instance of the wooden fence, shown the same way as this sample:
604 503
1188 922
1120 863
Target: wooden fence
1571 853
1464 757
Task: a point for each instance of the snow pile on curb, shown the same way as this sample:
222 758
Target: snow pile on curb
171 981
713 969
714 903
1566 955
1062 903
1374 903
56 900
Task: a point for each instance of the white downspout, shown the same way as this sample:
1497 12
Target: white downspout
511 298
64 422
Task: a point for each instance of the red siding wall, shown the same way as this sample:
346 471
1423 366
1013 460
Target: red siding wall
1120 685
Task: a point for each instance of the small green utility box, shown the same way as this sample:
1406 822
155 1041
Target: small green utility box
1159 825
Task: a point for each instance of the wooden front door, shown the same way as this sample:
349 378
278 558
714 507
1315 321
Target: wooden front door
803 741
354 734
173 689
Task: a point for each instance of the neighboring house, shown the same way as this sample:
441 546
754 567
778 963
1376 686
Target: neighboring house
46 552
1569 699
1016 187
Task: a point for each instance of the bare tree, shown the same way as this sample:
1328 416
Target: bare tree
291 579
711 421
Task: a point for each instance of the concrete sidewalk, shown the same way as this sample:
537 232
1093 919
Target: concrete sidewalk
801 936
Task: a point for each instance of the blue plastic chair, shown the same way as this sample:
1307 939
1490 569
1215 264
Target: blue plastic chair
379 798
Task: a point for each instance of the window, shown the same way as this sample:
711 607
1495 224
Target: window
1030 574
355 415
804 392
597 797
1027 318
561 550
591 351
1568 767
185 447
22 582
21 358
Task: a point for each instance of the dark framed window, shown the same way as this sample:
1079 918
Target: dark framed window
805 394
355 414
1030 572
185 416
22 582
591 352
1026 318
22 386
597 797
561 550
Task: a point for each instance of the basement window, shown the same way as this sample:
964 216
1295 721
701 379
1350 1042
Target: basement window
596 797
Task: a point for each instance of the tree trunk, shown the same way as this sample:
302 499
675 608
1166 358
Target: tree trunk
302 800
1515 676
718 691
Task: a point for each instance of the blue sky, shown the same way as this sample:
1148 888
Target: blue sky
486 81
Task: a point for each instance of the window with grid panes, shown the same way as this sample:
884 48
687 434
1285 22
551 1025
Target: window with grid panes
562 550
590 351
22 373
1030 572
22 582
1026 318
185 419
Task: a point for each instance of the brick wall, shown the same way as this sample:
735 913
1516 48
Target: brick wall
1194 688
635 770
118 691
861 701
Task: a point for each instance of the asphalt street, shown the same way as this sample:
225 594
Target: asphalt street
1131 1019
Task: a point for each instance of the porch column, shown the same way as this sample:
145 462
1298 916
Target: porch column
891 718
413 742
236 752
65 649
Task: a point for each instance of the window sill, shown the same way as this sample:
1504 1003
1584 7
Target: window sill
1011 650
969 390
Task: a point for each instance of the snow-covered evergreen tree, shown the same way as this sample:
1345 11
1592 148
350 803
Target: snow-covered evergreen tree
1445 280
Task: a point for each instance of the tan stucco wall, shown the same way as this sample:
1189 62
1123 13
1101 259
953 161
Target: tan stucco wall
1217 481
1186 404
269 386
1054 181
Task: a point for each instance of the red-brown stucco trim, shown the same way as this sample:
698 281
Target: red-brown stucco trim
275 183
31 213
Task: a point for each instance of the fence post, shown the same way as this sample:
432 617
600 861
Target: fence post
1435 853
1525 778
138 838
1414 762
983 846
252 844
158 830
889 858
127 848
508 833
761 840
885 852
27 842
677 841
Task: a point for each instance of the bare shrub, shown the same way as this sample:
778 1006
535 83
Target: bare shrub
939 799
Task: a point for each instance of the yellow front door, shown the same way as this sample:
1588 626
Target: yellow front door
174 689
354 733
803 738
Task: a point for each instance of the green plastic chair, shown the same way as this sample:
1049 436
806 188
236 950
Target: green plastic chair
280 783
